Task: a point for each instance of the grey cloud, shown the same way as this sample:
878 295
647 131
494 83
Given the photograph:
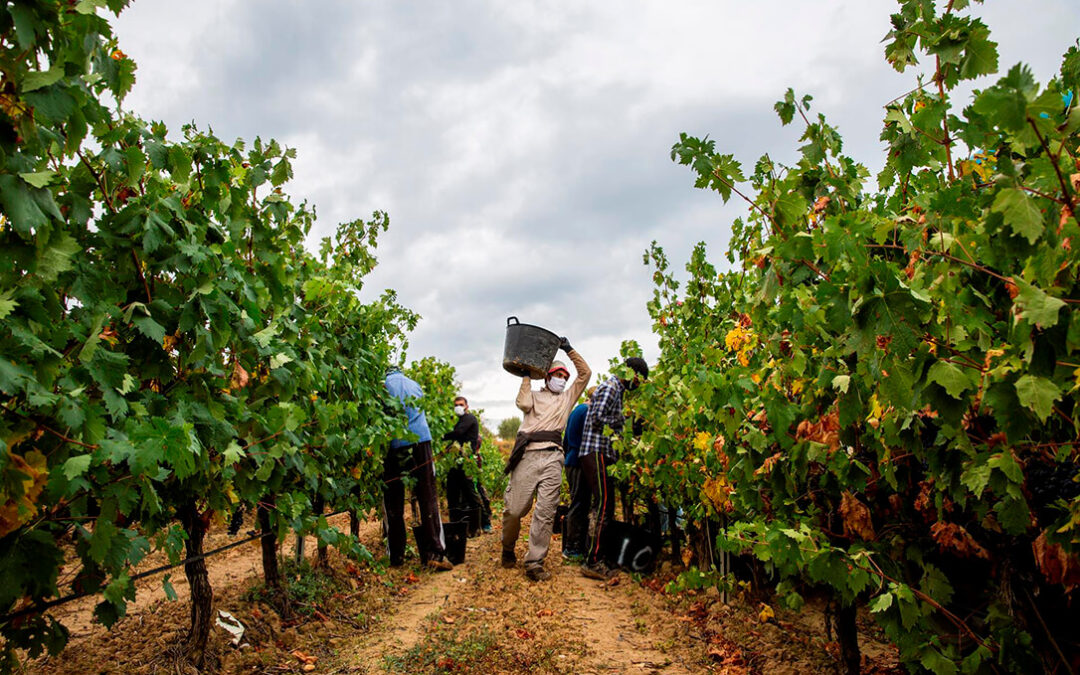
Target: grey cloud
521 148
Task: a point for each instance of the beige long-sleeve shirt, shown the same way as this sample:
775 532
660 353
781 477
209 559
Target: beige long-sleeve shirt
547 411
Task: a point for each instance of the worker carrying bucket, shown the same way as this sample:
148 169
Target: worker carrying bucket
528 350
536 462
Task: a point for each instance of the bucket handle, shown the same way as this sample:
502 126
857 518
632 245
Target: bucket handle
512 318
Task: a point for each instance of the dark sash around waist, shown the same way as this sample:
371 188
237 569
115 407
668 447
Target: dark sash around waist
524 438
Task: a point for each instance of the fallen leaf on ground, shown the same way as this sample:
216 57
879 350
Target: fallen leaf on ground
301 656
523 634
544 612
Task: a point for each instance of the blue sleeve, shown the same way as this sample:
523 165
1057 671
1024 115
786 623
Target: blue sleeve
395 385
574 427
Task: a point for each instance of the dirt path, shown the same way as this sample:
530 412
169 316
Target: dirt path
479 613
477 618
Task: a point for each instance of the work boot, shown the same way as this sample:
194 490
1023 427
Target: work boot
598 570
509 559
439 564
537 574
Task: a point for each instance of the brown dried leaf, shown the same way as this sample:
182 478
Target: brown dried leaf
768 465
301 656
924 502
856 517
1011 288
825 431
953 537
18 510
1056 565
239 377
1066 215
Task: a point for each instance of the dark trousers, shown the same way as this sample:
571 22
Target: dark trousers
485 512
576 532
416 461
602 489
461 491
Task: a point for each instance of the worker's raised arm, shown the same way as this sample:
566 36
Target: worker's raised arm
583 374
525 398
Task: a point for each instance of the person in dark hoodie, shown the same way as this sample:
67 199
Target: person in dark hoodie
462 492
597 452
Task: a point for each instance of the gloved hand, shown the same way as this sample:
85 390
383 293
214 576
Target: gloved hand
564 345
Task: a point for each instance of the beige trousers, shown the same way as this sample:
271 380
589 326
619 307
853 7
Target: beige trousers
539 475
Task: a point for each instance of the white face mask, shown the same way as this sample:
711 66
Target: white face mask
556 385
459 410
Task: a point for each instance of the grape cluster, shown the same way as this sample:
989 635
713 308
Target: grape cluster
236 521
1048 483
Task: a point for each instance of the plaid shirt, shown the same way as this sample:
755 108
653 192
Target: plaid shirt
605 410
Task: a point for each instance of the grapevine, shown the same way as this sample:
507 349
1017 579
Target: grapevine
879 399
171 355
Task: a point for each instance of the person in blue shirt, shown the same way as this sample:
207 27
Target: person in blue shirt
576 524
411 457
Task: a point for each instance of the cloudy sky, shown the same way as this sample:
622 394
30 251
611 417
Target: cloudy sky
521 148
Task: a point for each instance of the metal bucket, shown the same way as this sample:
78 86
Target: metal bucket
529 350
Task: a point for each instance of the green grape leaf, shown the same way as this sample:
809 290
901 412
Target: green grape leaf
881 603
76 466
1020 212
1035 305
150 328
1038 394
7 302
950 377
38 179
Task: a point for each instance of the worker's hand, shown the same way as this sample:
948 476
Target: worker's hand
564 345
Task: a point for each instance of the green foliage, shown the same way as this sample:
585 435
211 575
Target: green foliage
447 653
508 428
490 470
306 587
438 380
870 396
168 345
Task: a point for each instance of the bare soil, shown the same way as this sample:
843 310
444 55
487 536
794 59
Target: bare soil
477 618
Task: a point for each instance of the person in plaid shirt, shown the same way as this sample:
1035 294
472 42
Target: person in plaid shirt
596 453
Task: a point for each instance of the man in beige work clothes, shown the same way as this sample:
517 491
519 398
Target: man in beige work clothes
536 462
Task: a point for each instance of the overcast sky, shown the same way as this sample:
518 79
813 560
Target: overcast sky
522 148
